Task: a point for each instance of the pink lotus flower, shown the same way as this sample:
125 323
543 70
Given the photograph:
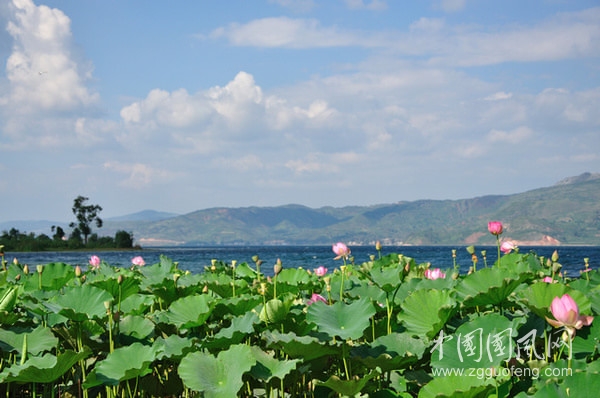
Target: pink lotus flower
320 271
138 260
507 247
95 262
434 274
495 227
548 279
316 297
341 250
566 313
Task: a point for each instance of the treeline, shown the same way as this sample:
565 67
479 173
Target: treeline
15 240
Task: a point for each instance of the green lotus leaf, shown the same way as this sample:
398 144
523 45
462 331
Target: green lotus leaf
45 369
386 278
173 346
305 347
267 367
136 326
347 321
190 311
426 311
458 386
54 277
219 376
8 298
124 363
489 286
538 297
80 303
242 324
348 388
274 311
294 276
137 304
39 340
157 274
390 352
484 342
122 290
236 305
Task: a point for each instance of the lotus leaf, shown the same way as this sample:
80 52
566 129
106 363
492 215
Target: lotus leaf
347 321
123 363
219 376
190 311
426 311
45 369
80 303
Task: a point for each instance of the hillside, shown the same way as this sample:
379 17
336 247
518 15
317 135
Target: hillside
567 213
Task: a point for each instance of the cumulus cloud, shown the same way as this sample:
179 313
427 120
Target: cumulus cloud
42 71
45 90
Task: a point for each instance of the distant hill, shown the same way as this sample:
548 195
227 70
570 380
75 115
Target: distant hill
567 213
144 215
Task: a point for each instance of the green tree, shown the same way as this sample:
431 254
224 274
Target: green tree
123 240
85 215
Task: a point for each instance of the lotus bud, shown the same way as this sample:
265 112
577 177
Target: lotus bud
407 267
176 277
78 271
205 289
233 263
471 270
278 267
40 268
26 269
555 256
556 267
263 289
120 279
15 261
378 245
18 277
82 279
107 304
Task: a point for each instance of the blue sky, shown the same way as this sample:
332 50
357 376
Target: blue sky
182 105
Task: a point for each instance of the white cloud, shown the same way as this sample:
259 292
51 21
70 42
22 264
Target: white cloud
41 70
565 36
291 33
515 136
500 95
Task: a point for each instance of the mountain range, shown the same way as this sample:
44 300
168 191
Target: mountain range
567 213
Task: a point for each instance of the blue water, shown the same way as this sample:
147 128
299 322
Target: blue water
195 259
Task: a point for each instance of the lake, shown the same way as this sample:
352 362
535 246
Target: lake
195 259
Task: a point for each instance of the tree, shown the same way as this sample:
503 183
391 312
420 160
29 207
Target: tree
86 215
59 234
124 240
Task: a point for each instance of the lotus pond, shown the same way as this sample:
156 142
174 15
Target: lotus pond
386 326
